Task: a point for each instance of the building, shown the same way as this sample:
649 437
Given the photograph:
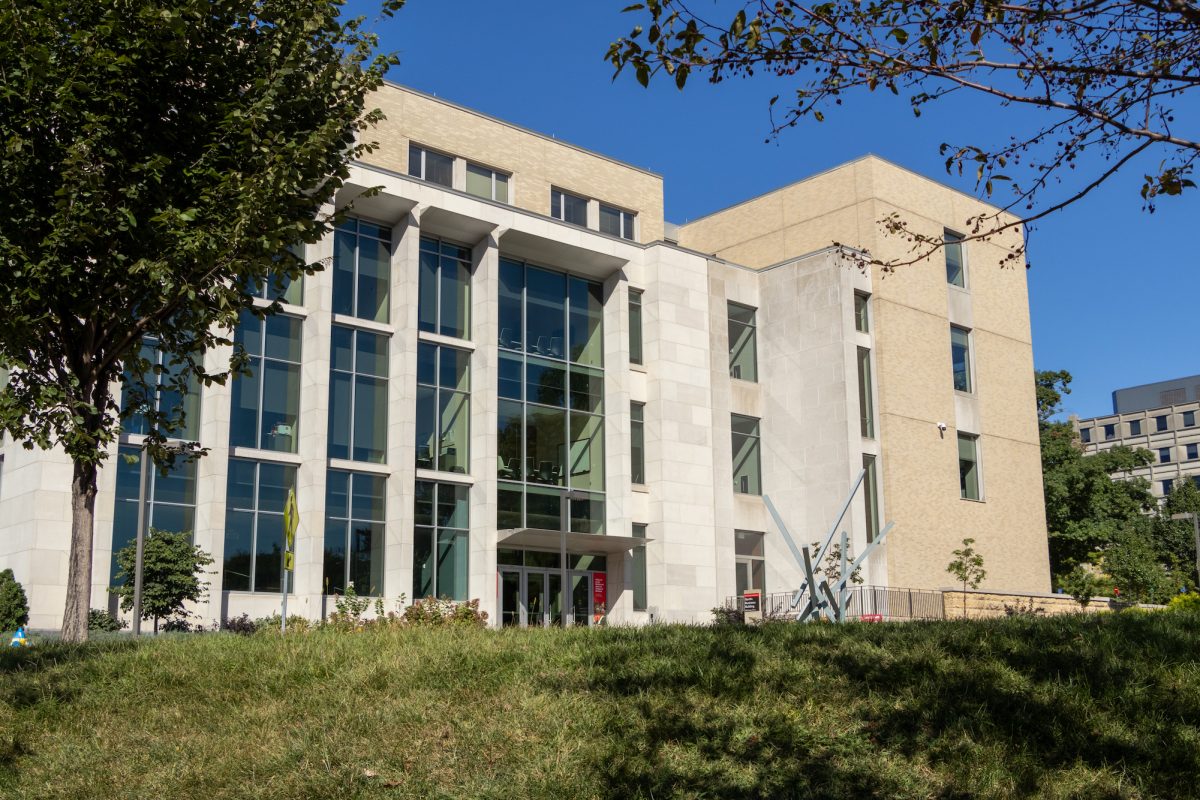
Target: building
1159 417
510 319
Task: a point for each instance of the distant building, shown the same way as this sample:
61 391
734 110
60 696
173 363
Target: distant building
1160 417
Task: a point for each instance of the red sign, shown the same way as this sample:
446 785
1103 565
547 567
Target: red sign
871 618
752 602
599 594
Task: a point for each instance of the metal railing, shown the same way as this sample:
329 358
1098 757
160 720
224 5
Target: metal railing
863 601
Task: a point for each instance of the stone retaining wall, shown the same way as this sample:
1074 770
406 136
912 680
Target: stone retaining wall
982 604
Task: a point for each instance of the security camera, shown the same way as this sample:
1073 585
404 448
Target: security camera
942 427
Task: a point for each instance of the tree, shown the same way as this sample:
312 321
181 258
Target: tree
1082 584
171 568
1106 78
1050 386
158 160
967 568
14 607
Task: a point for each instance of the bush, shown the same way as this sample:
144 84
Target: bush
432 612
14 607
100 620
1083 585
242 626
1185 602
296 624
727 615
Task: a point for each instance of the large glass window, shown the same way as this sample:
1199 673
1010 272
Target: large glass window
637 443
183 408
616 222
743 343
487 183
430 166
568 207
443 408
635 326
266 402
871 496
639 569
747 461
281 287
254 525
355 509
551 386
445 289
862 312
866 412
956 270
170 499
960 356
441 541
968 466
362 270
358 395
751 561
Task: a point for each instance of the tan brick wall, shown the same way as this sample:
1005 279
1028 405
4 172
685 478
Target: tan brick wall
536 162
991 604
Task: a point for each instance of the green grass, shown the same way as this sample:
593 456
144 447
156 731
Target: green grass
1097 707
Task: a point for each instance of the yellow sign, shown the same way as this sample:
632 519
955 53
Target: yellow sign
289 561
291 521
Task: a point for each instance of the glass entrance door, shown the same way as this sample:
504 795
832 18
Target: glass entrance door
530 597
581 598
510 597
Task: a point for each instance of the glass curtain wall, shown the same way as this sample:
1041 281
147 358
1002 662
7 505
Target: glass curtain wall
443 408
170 500
441 543
362 269
266 402
444 304
358 395
551 385
256 497
354 532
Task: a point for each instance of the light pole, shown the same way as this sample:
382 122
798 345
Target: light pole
564 524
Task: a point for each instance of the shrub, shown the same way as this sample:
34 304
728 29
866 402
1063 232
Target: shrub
432 612
101 620
14 608
1185 602
296 624
727 615
242 626
171 569
1083 585
349 610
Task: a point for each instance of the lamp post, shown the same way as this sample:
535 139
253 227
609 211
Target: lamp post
1195 518
564 524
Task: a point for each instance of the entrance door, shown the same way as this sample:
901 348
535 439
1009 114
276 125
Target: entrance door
511 604
530 597
581 598
537 610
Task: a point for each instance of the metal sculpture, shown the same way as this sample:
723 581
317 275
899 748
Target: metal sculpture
823 599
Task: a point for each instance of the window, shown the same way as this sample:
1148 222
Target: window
430 166
170 500
1135 427
445 289
616 222
635 326
1085 435
968 466
281 287
862 312
637 435
487 183
871 497
747 461
362 270
266 402
550 421
639 569
743 343
1193 452
1189 419
751 561
254 525
354 532
960 356
1167 486
358 394
568 207
866 414
1164 455
1110 431
182 411
443 408
1160 423
956 269
441 541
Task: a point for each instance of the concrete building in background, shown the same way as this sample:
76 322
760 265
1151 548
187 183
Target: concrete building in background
1159 417
510 342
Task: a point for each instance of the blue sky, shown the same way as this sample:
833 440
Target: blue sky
1113 290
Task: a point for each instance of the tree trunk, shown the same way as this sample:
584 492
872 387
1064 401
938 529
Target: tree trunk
79 575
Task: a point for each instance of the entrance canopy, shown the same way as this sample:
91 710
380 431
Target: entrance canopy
576 542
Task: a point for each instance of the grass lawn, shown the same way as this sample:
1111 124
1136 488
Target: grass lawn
1098 707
